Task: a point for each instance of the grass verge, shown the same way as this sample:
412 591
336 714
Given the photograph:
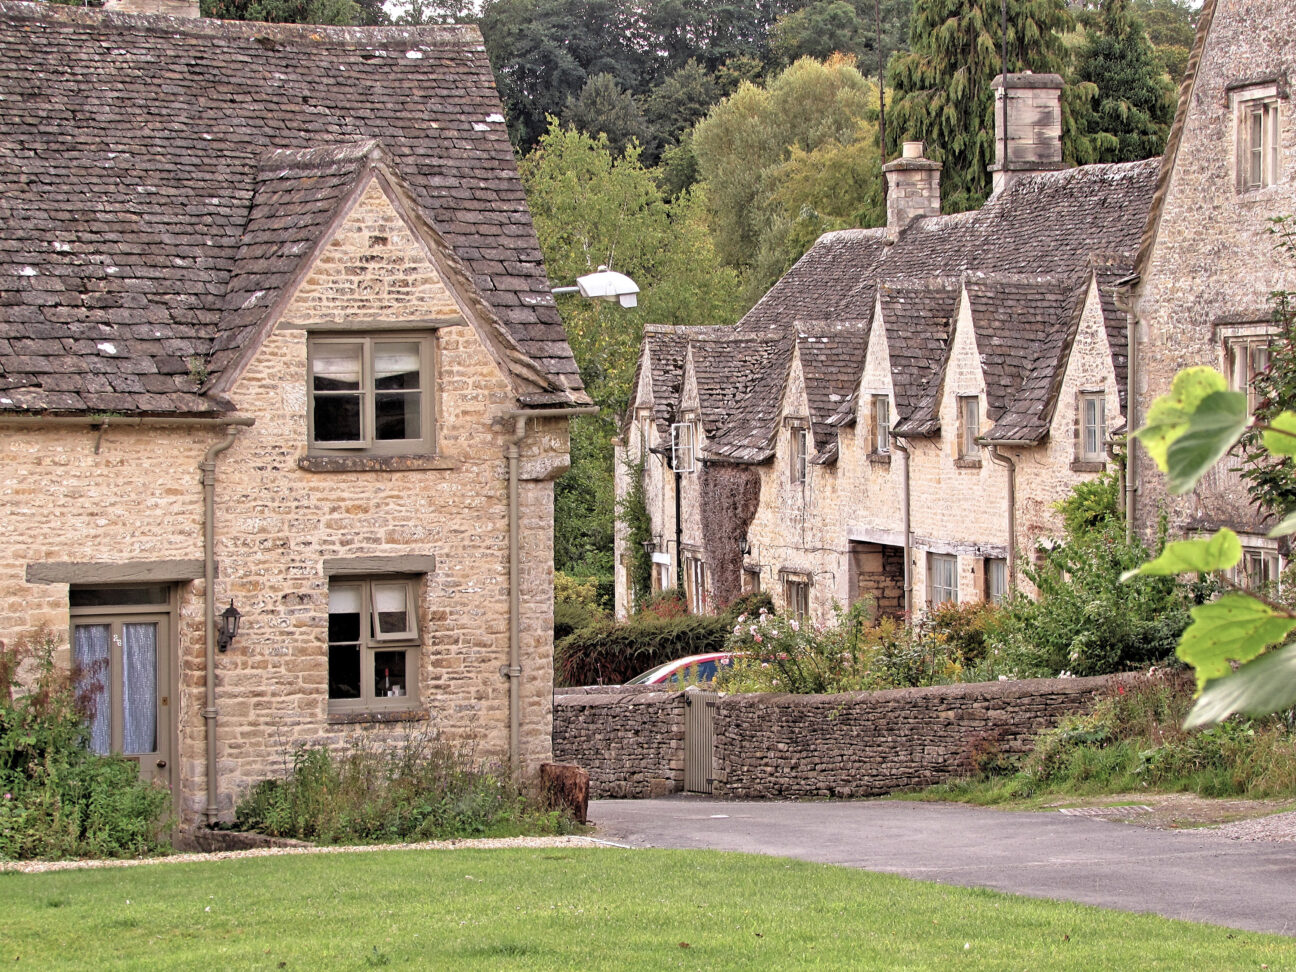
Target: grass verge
574 909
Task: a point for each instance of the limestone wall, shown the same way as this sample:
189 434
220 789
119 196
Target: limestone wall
630 743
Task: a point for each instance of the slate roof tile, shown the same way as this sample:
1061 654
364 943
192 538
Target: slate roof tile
139 198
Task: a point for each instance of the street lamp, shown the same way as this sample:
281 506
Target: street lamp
605 285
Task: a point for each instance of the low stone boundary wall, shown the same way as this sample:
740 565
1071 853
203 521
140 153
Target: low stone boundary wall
871 743
631 744
780 746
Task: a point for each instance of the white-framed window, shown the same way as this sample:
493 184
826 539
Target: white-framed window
1256 111
969 412
1246 357
644 421
372 393
796 597
798 448
942 579
373 643
661 577
881 424
683 447
996 579
1260 566
1093 427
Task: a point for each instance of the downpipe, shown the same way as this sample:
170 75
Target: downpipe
513 670
1011 467
903 448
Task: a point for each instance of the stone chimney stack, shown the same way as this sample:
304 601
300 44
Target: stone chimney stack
1029 107
165 8
913 188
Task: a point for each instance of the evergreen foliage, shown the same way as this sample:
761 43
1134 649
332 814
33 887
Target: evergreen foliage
1130 117
942 92
603 107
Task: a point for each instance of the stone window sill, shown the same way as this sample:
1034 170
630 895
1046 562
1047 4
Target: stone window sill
389 715
1088 466
967 463
880 458
368 463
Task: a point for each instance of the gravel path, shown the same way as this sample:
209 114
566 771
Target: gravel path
493 843
1278 826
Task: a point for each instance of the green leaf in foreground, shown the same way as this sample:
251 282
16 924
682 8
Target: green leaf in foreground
1236 627
1280 437
1213 428
1168 416
1288 525
1193 556
1264 685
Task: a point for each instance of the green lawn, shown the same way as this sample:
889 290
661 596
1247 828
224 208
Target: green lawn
573 909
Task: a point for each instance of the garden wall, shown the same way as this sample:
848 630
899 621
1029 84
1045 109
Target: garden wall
779 746
631 743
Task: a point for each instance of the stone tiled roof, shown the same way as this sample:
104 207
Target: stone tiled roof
1039 239
831 360
142 202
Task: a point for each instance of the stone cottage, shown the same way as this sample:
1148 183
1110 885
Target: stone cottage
895 418
1200 290
275 337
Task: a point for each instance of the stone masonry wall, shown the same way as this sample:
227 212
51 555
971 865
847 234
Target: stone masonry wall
871 743
135 494
631 744
785 746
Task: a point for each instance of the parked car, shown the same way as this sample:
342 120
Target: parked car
690 670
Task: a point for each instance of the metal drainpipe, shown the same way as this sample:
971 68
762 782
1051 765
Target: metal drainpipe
904 523
208 467
513 670
1000 459
679 536
1131 423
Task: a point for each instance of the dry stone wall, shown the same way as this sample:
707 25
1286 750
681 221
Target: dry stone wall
631 744
780 746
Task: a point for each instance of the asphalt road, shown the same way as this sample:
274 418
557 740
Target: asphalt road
1180 874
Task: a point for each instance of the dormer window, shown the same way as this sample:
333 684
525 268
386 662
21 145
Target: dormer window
881 425
372 393
1093 427
683 447
1256 117
969 411
799 447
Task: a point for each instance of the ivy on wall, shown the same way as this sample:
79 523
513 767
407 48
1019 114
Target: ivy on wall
633 513
730 496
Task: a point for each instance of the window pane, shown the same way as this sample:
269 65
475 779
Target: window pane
139 688
344 670
344 600
391 612
337 418
336 367
397 415
396 366
117 596
389 674
90 666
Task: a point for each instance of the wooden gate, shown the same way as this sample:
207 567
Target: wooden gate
699 740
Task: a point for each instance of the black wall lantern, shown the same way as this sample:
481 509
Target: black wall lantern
744 547
650 547
227 624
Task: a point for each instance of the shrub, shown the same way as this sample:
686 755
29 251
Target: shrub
609 653
421 789
58 799
751 604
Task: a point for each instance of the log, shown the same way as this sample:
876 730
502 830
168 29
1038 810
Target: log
566 788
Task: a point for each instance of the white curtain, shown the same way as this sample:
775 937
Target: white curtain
90 658
139 688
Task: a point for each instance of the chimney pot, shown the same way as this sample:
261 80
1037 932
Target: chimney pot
912 150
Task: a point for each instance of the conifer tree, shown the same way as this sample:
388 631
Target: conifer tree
942 85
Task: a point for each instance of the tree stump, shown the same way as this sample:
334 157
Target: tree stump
566 788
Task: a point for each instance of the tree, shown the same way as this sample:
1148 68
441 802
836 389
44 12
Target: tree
784 162
1171 28
1240 644
592 207
1135 103
603 107
340 13
942 85
676 104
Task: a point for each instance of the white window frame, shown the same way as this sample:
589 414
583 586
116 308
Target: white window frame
969 415
1092 444
996 579
425 444
882 425
1258 124
942 576
684 447
1245 356
695 584
371 641
796 597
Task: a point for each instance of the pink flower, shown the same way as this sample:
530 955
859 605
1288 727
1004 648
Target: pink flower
793 625
737 628
763 611
753 630
742 618
759 639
